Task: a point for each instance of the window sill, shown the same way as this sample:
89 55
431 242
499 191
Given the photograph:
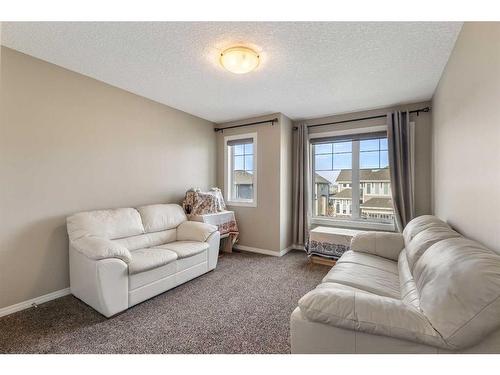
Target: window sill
241 204
353 224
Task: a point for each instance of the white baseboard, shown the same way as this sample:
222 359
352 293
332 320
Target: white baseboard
284 251
37 300
264 251
257 250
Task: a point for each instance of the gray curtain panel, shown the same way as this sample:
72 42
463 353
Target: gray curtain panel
401 142
301 186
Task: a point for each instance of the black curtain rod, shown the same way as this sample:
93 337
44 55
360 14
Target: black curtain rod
272 121
417 111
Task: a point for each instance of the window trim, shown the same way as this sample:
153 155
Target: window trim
353 223
228 171
347 132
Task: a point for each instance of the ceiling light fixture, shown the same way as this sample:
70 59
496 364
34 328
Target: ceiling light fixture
239 60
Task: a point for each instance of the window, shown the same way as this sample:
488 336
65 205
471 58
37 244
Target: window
356 169
240 171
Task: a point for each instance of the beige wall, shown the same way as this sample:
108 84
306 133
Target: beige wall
261 227
0 53
70 143
423 144
466 142
269 226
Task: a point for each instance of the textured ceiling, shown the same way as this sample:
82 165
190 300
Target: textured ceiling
307 70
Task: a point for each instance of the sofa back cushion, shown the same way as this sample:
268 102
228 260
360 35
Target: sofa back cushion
109 224
160 217
458 282
419 224
419 244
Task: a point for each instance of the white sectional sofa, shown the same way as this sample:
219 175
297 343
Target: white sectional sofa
123 256
428 290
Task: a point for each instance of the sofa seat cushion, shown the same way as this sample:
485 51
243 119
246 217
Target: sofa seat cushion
358 310
146 240
147 259
458 281
369 260
367 278
185 249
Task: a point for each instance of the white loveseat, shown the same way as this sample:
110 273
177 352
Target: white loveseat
123 256
428 290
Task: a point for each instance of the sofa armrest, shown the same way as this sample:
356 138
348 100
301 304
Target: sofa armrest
384 244
194 231
351 308
213 251
100 248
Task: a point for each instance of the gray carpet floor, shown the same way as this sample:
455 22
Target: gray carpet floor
243 306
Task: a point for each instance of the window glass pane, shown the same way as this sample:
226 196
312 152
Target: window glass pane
238 149
245 192
332 180
242 186
369 145
342 161
384 159
369 159
248 162
333 195
341 198
383 143
376 200
241 174
323 162
323 148
342 147
249 148
238 163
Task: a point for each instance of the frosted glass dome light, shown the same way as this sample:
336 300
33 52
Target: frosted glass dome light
239 60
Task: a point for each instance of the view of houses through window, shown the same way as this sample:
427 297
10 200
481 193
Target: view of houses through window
334 194
242 154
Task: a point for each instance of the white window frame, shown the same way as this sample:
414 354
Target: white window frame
228 171
348 223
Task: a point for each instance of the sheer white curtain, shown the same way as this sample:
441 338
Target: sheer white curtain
301 186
